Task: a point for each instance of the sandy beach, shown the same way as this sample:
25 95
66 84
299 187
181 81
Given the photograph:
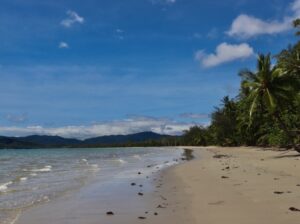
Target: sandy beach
239 185
220 185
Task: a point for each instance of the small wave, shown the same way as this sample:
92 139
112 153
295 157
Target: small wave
33 174
3 187
94 167
84 161
15 219
23 179
44 169
121 161
137 157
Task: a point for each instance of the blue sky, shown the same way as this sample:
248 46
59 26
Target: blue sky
83 69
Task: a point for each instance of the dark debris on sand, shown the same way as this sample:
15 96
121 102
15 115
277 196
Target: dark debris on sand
220 156
293 209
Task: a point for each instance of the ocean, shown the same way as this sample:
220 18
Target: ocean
29 177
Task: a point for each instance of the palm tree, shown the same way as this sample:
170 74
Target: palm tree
269 88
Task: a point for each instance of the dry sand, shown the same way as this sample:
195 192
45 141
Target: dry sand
245 185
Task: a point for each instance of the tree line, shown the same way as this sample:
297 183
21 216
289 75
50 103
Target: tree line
266 111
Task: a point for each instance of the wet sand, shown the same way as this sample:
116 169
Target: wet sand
220 185
124 200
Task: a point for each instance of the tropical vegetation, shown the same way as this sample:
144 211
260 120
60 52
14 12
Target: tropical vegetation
266 111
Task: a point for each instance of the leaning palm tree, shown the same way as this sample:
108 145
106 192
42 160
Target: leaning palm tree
269 88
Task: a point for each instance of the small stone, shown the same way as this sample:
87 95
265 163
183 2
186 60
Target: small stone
110 213
133 184
293 209
155 213
142 217
224 177
140 194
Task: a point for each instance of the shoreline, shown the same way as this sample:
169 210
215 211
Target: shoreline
243 185
128 199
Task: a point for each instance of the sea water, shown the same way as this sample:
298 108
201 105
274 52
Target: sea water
29 177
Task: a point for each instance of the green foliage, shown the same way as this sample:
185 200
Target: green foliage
224 123
266 111
195 136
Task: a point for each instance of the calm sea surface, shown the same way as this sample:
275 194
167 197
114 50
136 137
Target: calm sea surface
29 177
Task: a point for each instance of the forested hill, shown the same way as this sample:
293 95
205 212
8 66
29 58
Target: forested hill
45 141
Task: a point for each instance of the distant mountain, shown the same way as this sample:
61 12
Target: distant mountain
121 139
49 140
14 143
45 141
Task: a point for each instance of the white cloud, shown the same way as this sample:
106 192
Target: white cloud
126 126
73 18
295 6
119 31
13 118
224 53
246 26
119 34
163 1
63 45
194 115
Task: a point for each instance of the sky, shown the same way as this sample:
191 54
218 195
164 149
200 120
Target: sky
95 67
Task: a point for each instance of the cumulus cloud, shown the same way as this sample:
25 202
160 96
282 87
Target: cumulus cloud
224 53
63 45
72 19
246 26
126 126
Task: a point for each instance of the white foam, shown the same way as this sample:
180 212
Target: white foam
33 174
137 157
44 169
23 179
94 167
15 219
3 187
121 161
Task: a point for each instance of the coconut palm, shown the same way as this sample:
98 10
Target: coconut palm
269 88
